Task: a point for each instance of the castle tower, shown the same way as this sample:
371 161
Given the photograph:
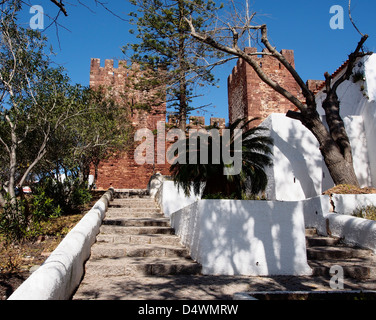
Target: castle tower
250 97
123 172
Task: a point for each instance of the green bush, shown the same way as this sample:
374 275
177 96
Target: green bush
219 195
44 207
26 216
366 212
68 195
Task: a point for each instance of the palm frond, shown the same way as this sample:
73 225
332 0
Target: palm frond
256 155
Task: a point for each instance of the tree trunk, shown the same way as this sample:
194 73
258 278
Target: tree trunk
182 69
12 168
182 104
341 170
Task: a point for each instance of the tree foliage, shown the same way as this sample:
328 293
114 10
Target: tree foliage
166 48
49 130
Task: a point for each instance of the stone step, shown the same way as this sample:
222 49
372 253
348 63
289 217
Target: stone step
135 230
159 239
310 232
317 241
353 268
118 213
136 266
133 200
128 207
132 204
335 252
131 194
118 250
149 210
137 222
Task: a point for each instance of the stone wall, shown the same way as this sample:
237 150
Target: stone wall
250 97
122 172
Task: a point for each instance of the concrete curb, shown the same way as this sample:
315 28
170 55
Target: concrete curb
61 273
353 230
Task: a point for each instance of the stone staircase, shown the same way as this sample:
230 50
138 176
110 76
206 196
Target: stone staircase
325 252
135 240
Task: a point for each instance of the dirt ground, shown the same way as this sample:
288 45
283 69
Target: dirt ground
17 259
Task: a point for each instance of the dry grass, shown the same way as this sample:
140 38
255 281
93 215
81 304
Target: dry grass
349 189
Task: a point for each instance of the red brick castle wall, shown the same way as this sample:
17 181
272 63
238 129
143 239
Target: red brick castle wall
250 97
122 172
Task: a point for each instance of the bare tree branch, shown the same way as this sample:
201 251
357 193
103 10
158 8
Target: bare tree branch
352 21
306 92
60 5
350 65
235 50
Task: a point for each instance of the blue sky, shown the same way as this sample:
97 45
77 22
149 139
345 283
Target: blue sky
293 24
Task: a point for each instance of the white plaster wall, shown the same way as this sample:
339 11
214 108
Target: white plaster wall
244 237
315 211
296 172
355 130
346 204
353 231
173 198
370 73
299 171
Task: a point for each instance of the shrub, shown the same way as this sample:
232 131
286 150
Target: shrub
68 195
26 218
44 207
233 196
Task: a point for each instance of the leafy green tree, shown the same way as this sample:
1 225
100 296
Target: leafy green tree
256 155
32 100
43 117
175 62
103 130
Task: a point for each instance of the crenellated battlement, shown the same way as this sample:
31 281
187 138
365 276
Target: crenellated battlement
198 122
107 75
144 110
265 61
